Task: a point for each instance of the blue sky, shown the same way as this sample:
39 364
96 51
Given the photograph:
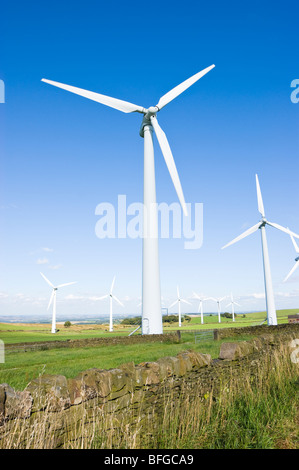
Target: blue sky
62 155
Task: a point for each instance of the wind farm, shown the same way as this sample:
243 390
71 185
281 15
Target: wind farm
128 320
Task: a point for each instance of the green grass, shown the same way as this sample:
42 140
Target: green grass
18 333
21 367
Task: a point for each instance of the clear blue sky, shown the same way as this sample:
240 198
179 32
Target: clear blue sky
61 154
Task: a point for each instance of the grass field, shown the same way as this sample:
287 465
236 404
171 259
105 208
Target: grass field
21 367
21 333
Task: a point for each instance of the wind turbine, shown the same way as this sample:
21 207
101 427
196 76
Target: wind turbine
296 259
233 303
270 305
218 301
200 307
53 299
111 298
151 293
178 301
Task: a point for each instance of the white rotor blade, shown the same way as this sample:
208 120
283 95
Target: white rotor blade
112 285
292 270
51 299
243 235
178 292
103 297
295 244
67 284
283 229
115 298
195 296
222 298
123 106
259 197
168 157
172 94
174 303
237 304
47 280
185 301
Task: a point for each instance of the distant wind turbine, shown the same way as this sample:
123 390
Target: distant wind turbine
53 299
200 306
151 292
233 303
271 312
218 301
111 298
296 259
178 301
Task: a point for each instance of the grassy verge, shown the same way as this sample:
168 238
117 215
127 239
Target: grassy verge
259 411
255 410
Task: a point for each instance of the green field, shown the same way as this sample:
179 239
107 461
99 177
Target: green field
21 333
20 367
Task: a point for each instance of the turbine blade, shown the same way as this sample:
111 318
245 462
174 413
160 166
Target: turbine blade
103 297
185 301
237 304
115 298
115 103
173 304
283 229
172 94
222 298
292 270
295 244
178 292
243 235
51 300
195 296
228 304
47 280
112 285
67 284
168 157
259 197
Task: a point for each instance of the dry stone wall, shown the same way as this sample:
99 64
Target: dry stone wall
122 396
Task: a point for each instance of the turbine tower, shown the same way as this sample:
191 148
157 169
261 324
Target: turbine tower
53 299
296 259
218 301
178 301
270 305
200 306
151 294
233 303
111 298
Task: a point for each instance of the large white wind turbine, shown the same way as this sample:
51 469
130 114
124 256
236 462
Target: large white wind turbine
270 305
200 306
151 295
218 301
178 301
296 259
233 303
111 298
53 299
